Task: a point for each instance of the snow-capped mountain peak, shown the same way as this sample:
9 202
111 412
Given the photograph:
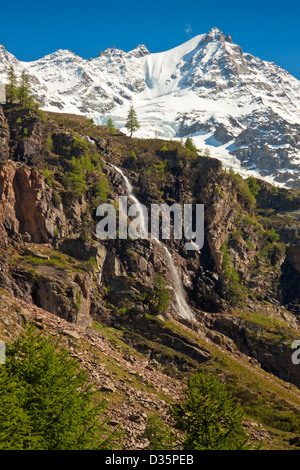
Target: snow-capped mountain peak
140 51
246 110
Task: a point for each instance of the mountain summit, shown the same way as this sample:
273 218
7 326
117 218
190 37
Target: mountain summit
246 110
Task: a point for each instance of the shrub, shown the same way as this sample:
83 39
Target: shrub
159 435
48 144
79 143
165 147
56 199
48 177
253 185
273 235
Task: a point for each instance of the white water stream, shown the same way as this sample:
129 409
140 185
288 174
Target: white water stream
183 309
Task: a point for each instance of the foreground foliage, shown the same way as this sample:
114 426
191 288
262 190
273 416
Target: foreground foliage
207 419
46 402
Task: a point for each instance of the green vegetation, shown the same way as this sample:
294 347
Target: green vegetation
111 126
46 401
78 301
246 188
273 235
72 166
208 418
269 219
207 153
267 330
12 87
159 435
253 185
132 123
263 400
270 250
85 171
48 144
20 91
56 198
190 145
79 145
235 290
55 261
268 401
51 257
159 298
165 147
76 179
48 177
157 172
24 89
102 188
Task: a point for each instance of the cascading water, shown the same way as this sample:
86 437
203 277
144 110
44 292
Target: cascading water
129 188
183 309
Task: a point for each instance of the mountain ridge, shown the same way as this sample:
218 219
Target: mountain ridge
243 108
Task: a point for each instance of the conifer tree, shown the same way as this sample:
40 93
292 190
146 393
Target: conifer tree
111 126
207 418
75 180
24 91
132 123
189 144
47 402
12 87
159 298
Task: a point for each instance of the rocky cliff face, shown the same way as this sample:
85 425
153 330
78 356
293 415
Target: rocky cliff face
26 203
243 277
4 137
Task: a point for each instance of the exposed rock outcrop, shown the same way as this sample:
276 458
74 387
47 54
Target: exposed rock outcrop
4 137
27 210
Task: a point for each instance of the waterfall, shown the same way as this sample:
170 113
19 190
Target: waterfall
129 188
183 309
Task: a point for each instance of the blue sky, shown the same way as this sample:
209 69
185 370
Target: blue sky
267 29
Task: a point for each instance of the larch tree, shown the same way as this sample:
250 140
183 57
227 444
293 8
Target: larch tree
206 418
132 123
111 126
24 92
47 400
12 87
